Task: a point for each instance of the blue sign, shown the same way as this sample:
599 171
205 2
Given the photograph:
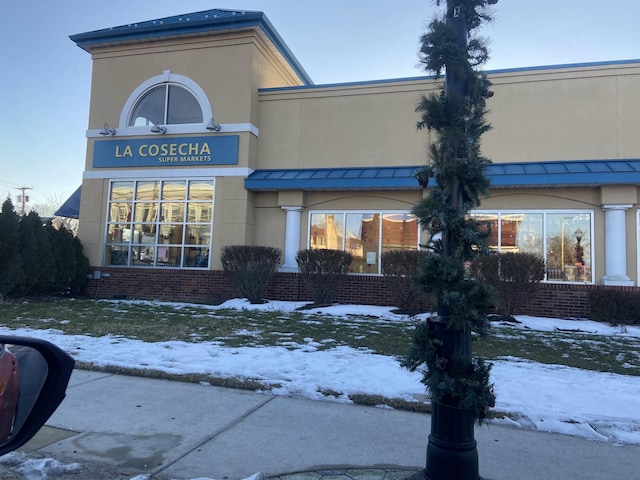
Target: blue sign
166 152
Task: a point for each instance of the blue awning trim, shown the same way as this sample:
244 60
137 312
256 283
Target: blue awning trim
378 178
506 175
566 173
71 207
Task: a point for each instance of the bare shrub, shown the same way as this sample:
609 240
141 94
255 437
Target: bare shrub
323 271
514 276
400 268
250 268
615 307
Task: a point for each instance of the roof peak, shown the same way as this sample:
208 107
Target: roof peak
171 24
191 24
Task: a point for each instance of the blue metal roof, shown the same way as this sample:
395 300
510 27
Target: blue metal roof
190 24
378 178
506 175
565 173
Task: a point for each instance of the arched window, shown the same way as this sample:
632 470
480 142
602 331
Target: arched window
166 104
166 99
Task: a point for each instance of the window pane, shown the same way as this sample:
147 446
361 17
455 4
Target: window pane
198 235
175 190
489 220
200 190
196 257
122 191
183 107
399 232
521 232
120 212
169 256
362 241
145 212
199 212
173 212
118 233
150 108
326 231
142 255
144 233
170 234
116 255
163 255
147 190
569 247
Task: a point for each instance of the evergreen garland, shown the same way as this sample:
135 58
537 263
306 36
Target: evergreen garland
457 170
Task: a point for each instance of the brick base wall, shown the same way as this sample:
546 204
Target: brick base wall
566 300
209 286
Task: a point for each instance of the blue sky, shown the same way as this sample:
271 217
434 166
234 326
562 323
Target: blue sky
45 78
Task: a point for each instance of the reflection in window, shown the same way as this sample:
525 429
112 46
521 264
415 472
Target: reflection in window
167 230
174 190
326 231
563 239
399 231
568 250
363 235
363 241
166 104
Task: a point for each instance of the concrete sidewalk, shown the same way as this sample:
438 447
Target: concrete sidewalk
130 425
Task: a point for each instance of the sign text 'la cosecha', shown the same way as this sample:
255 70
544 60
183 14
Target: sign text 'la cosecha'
169 152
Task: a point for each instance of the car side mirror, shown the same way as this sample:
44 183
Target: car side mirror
34 375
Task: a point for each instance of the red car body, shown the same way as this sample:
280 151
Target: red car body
9 391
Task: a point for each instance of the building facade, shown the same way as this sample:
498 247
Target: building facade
205 131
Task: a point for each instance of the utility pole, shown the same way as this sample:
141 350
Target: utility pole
23 199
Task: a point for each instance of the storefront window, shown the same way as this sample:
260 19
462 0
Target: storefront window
160 225
568 251
563 239
362 241
365 235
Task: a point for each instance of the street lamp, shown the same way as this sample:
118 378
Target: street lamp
579 234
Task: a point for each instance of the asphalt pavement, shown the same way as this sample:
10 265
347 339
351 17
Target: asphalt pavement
121 426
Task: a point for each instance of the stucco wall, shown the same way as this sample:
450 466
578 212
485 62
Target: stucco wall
356 126
537 115
545 114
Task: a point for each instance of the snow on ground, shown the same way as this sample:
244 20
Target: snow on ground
551 398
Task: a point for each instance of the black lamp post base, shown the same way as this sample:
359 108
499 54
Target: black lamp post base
451 462
451 452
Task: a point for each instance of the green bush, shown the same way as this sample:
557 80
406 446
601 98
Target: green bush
71 265
38 259
515 277
615 307
250 269
323 271
400 268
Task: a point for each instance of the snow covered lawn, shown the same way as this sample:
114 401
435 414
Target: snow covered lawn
601 406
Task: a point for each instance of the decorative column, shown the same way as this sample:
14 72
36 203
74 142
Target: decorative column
291 238
615 244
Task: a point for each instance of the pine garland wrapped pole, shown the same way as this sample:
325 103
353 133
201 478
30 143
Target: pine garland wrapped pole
458 382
